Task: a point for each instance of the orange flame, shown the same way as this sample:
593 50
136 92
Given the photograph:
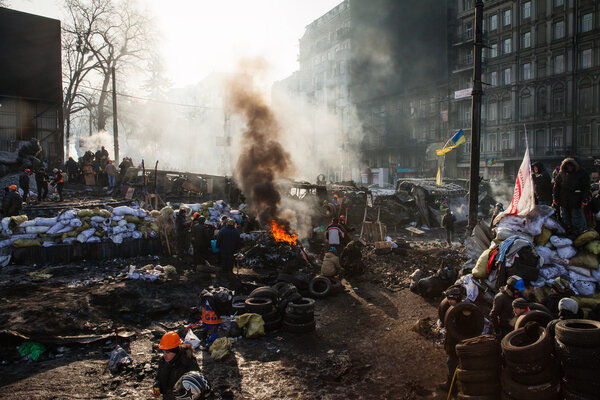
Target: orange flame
280 235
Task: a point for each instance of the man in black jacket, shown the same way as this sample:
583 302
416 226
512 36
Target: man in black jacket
228 242
454 295
448 221
181 233
502 310
571 193
177 359
12 202
24 183
542 185
41 180
202 234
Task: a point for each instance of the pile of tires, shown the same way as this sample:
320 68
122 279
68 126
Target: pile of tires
577 346
299 316
530 370
322 286
263 301
478 368
463 321
542 317
299 279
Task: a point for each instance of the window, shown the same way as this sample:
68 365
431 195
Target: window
558 3
541 102
468 57
559 65
506 109
465 113
527 9
526 104
559 30
526 42
558 99
526 71
557 139
507 76
586 58
467 4
541 69
492 145
584 136
494 50
506 17
493 22
506 141
507 45
468 30
585 97
493 111
586 22
494 78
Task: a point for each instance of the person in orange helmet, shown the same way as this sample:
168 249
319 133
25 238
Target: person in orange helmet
12 202
178 358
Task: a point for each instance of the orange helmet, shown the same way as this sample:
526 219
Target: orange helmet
169 341
13 187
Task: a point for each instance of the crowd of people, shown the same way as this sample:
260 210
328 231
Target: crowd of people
15 196
97 169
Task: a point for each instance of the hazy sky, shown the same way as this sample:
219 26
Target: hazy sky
202 36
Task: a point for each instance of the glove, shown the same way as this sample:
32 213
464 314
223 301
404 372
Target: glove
155 392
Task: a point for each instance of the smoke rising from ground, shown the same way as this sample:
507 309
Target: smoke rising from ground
262 160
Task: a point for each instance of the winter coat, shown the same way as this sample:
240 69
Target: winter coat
448 221
169 372
72 166
24 182
502 311
40 178
542 185
12 204
334 234
228 239
201 235
181 225
331 265
571 189
112 170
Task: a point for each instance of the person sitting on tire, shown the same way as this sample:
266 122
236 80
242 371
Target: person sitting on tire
454 295
177 359
331 263
520 307
559 289
502 311
567 309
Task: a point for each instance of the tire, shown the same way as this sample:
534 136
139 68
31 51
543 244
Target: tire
484 345
476 363
538 316
299 318
577 357
271 316
579 332
482 375
283 277
568 395
582 386
287 290
279 285
301 306
273 325
517 346
336 285
239 306
547 390
266 292
462 396
463 321
301 280
299 328
529 368
480 388
284 302
319 287
550 373
443 308
259 305
581 373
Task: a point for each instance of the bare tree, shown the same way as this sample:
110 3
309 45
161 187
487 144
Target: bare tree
4 3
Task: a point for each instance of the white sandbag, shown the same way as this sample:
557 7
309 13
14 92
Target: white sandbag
26 224
67 228
75 223
5 228
130 226
579 273
558 241
93 239
48 243
69 240
67 215
117 239
554 226
136 234
118 230
98 219
567 252
85 235
549 272
37 229
151 219
153 234
6 243
39 221
116 218
596 275
503 233
123 210
122 222
545 253
585 288
126 235
141 213
23 236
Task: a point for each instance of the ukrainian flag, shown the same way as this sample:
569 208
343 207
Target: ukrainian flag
452 143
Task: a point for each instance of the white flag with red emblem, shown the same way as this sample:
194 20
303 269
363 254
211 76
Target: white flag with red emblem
523 201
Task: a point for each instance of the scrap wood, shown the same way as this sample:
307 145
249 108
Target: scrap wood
415 231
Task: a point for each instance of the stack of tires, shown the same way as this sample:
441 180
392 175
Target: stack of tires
299 316
478 368
263 301
577 346
530 370
299 279
542 317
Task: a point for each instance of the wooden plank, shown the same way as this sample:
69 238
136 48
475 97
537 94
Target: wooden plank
415 231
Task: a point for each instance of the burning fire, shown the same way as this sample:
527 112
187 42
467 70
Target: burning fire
280 235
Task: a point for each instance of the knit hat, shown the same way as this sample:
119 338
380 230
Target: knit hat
568 304
520 303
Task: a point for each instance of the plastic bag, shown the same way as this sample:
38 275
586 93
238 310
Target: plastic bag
480 270
31 350
192 339
543 237
118 357
255 326
219 349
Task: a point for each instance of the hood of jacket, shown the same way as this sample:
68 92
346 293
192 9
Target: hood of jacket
569 160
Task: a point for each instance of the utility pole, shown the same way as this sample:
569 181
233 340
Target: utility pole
477 93
115 125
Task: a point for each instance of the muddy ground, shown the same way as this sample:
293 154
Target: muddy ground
363 348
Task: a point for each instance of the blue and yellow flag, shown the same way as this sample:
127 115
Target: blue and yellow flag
452 143
491 161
